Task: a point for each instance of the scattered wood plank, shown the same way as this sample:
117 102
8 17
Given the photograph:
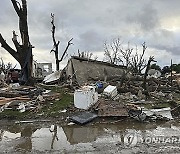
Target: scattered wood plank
6 100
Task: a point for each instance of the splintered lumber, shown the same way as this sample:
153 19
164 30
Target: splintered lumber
9 94
6 100
52 96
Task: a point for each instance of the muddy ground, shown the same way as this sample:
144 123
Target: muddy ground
95 137
48 130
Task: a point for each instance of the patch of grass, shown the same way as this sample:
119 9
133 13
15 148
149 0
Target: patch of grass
156 105
53 88
49 108
12 115
65 100
147 106
53 108
161 105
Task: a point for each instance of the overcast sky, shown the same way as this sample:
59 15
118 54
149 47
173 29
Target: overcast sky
92 22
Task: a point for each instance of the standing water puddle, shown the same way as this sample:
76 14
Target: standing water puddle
123 137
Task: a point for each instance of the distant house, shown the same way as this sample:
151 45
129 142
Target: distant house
41 70
83 70
154 73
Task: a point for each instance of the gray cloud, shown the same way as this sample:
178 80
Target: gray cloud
91 40
164 40
146 18
173 49
91 22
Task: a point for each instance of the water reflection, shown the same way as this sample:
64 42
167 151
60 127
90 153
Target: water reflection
80 134
1 134
26 134
43 139
54 137
53 130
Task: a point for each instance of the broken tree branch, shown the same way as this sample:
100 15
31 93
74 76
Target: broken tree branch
16 43
8 48
17 9
69 43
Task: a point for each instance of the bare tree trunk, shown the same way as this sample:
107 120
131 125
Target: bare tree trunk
23 52
56 44
151 59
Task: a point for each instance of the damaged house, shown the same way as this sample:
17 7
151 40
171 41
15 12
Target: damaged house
83 70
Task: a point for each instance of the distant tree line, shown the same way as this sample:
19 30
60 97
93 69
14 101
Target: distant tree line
115 53
167 69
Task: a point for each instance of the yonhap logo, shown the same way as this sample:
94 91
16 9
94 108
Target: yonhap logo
130 139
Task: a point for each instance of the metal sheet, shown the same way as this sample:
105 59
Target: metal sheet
83 117
164 112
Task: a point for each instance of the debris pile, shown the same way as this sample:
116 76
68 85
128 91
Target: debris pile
129 99
100 90
24 98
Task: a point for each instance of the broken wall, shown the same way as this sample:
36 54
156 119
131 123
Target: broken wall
87 70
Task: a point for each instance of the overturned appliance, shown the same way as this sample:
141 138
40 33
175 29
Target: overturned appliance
85 97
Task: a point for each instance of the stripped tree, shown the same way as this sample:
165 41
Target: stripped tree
138 63
148 66
112 51
115 54
23 51
56 44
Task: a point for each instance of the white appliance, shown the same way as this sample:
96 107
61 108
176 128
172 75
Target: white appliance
110 91
85 97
